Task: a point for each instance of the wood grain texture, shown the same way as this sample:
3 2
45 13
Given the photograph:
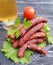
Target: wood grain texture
44 8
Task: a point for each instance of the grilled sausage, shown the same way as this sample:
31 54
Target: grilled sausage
38 35
36 48
15 44
21 50
36 41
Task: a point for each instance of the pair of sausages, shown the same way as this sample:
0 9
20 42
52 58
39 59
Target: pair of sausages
31 45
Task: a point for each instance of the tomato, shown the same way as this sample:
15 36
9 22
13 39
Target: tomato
29 12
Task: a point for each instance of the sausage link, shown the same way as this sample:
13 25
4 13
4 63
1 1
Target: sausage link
36 41
21 50
22 32
38 35
15 44
13 41
41 31
37 49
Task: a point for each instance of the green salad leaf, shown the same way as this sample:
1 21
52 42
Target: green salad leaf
11 53
47 31
26 23
50 39
9 40
11 32
17 21
42 45
17 34
14 31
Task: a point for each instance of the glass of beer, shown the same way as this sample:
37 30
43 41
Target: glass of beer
8 12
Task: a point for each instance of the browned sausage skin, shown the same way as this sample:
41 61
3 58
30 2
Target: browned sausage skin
33 30
41 31
38 20
13 41
30 37
22 32
15 44
36 41
21 50
38 35
36 48
34 22
27 36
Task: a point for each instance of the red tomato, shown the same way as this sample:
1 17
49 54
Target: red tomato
29 12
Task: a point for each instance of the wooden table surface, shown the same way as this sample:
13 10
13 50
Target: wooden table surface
43 8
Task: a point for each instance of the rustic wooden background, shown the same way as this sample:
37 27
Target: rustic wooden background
44 8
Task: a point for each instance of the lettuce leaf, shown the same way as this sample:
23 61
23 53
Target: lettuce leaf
46 28
42 45
50 39
14 31
11 53
17 21
17 34
11 32
26 23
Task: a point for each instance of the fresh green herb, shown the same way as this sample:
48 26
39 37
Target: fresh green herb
14 27
17 21
50 39
47 31
26 23
17 34
42 45
25 20
11 32
9 40
46 28
11 53
6 46
14 31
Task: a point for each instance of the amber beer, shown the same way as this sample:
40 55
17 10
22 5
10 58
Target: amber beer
8 10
